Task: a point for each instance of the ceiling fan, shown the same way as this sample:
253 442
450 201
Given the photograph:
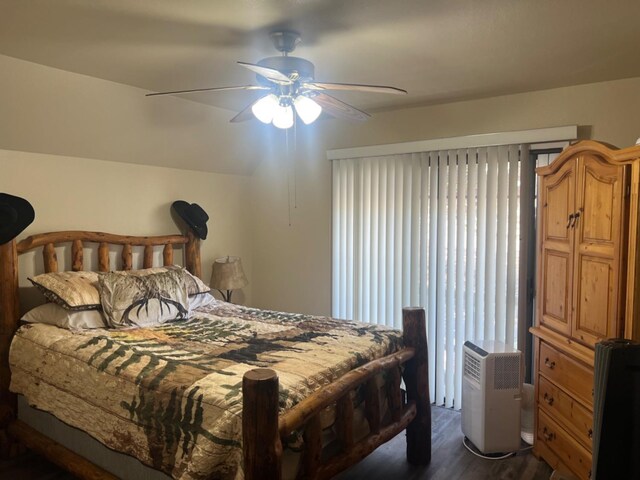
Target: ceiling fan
288 83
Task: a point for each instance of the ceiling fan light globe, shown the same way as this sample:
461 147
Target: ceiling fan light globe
265 108
308 110
283 117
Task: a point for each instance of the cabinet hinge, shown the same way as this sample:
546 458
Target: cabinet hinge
627 191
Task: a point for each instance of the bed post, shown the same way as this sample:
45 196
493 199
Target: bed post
416 377
9 313
192 254
261 445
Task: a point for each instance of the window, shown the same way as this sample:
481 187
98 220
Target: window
437 229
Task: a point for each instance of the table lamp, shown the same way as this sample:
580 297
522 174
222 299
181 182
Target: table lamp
227 275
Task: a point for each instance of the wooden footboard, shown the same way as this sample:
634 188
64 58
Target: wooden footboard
264 429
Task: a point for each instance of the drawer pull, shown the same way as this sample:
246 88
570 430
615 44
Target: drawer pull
590 434
548 436
549 363
548 398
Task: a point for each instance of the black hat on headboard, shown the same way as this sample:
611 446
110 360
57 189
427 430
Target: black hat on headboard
193 214
16 214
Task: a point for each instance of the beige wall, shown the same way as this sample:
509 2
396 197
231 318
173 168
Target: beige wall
71 193
46 110
292 264
64 138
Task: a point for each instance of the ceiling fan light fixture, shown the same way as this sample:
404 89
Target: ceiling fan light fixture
308 109
265 108
283 117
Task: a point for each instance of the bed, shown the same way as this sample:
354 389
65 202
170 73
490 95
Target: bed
289 383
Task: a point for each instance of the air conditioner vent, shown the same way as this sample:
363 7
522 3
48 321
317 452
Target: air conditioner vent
471 367
506 372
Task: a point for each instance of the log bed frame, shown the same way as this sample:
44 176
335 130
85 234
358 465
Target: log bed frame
262 426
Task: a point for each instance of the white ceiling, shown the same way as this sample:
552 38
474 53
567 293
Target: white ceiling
438 50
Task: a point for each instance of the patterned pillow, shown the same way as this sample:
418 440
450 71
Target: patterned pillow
79 290
195 286
71 290
143 300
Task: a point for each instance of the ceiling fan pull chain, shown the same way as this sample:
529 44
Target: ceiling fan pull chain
286 137
295 162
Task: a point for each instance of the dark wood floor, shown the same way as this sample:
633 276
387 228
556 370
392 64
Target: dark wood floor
450 461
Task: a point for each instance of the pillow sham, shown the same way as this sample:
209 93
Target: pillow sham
195 286
200 300
143 300
79 290
71 290
54 314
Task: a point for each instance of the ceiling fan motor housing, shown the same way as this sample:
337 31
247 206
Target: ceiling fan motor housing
287 65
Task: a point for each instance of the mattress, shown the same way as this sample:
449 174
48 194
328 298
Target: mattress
170 395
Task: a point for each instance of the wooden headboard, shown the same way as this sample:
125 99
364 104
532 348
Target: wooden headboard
9 280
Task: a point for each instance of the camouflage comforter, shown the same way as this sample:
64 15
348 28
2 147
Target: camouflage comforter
170 395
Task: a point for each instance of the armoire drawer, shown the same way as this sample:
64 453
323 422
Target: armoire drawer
568 411
567 449
575 377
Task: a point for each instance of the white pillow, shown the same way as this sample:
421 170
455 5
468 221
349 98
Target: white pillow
53 314
199 300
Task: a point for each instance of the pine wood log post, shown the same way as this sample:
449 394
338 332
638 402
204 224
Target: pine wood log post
9 313
344 422
312 448
416 377
167 255
147 261
127 257
394 394
50 258
77 254
192 254
372 405
103 257
262 449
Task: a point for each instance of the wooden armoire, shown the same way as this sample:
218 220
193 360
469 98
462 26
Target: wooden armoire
587 289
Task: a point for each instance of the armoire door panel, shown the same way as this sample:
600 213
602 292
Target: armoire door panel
558 192
595 302
557 202
598 239
600 199
556 298
598 208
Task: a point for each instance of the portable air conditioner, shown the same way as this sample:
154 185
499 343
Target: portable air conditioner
492 396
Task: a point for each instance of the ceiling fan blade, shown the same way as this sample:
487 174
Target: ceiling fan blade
245 114
268 73
319 86
336 108
213 89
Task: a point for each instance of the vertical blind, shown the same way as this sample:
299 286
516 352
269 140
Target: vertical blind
434 229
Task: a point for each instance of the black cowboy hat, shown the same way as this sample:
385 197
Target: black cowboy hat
16 214
193 215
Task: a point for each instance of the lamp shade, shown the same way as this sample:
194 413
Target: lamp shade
265 108
283 117
227 274
308 109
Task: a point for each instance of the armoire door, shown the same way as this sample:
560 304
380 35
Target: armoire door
598 240
555 263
